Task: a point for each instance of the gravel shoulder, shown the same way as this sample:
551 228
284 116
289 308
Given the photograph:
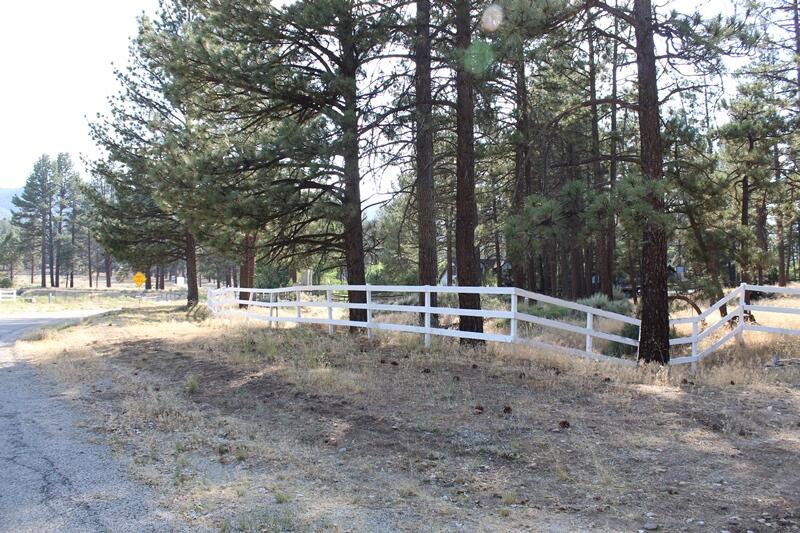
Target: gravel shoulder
52 476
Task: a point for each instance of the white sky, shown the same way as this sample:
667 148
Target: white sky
56 57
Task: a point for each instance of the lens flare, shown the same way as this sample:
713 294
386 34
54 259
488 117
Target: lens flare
492 18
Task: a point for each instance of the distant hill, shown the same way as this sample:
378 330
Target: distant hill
5 201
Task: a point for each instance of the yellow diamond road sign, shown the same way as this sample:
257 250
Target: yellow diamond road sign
139 279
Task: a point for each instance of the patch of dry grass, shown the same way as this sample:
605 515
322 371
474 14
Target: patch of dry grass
242 427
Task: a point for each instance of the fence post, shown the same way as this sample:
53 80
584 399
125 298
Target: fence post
695 333
427 316
297 303
590 327
369 313
742 300
272 309
329 298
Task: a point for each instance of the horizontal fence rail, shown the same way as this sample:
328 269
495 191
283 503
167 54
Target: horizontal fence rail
8 295
417 300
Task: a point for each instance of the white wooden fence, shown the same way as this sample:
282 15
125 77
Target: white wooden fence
8 295
226 302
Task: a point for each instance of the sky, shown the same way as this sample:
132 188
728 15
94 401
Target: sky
56 57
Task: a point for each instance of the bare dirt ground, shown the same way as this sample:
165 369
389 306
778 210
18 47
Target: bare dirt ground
239 427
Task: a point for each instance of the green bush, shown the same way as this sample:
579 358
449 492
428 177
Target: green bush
5 283
599 300
553 312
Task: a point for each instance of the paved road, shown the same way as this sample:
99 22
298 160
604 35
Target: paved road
52 479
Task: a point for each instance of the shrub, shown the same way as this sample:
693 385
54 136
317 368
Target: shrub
543 310
5 283
599 300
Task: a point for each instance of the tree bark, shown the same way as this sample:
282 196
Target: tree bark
353 230
44 252
466 207
654 332
246 270
107 260
426 205
522 168
193 293
89 256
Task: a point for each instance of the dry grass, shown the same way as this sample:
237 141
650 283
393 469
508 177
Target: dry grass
245 428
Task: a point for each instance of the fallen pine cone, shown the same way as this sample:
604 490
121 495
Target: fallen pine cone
564 424
507 409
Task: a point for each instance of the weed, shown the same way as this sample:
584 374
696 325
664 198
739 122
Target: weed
191 386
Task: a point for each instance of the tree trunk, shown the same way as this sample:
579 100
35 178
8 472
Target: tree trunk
710 262
466 207
193 293
498 257
745 220
107 260
246 270
781 252
44 252
89 256
603 261
611 240
522 168
449 231
654 333
148 279
353 230
426 205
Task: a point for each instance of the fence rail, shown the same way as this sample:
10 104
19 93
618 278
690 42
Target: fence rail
8 295
242 302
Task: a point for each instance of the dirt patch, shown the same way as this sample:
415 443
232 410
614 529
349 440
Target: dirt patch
245 428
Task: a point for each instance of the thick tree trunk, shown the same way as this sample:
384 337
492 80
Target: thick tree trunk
654 333
426 206
193 293
353 230
148 279
466 207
